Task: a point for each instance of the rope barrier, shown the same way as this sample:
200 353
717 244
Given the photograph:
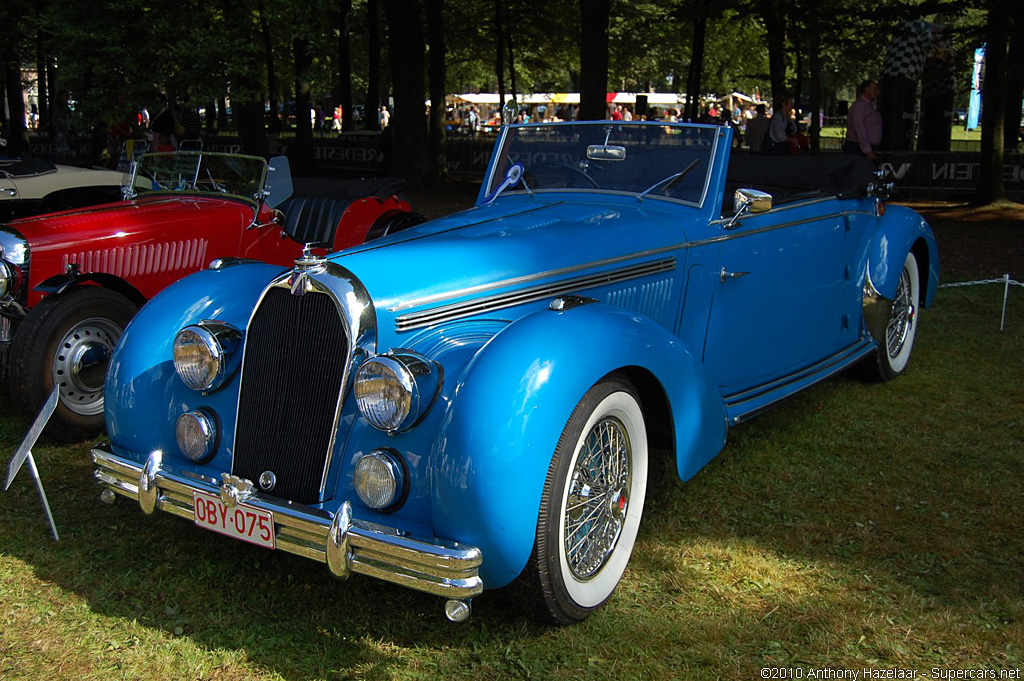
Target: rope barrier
1005 281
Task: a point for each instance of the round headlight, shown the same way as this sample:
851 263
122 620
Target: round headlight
394 391
379 480
198 357
384 391
6 279
196 432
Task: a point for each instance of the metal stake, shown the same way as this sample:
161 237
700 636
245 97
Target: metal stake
24 453
1006 296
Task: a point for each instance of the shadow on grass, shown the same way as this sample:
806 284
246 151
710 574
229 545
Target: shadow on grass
853 508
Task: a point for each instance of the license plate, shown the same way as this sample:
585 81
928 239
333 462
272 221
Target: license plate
240 521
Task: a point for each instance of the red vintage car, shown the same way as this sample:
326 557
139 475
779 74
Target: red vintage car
71 281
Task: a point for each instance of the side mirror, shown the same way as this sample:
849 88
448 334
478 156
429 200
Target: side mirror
748 201
509 111
752 200
278 185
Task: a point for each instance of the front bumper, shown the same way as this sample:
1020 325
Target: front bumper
345 543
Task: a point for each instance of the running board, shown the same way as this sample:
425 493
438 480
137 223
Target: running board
752 401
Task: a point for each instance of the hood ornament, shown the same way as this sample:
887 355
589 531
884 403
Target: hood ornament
308 263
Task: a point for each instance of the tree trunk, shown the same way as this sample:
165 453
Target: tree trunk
373 64
343 97
43 109
499 56
993 112
268 52
301 155
408 127
1015 81
594 18
694 79
814 48
17 133
435 38
511 57
773 13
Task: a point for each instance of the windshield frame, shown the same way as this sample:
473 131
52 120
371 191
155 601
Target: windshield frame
141 186
497 168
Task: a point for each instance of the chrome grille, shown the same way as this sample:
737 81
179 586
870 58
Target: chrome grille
295 357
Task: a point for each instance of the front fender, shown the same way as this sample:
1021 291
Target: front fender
900 231
514 398
142 389
59 283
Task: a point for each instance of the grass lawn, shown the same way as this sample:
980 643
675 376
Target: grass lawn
855 526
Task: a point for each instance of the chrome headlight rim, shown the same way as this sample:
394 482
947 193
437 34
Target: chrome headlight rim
415 380
7 283
391 463
219 341
204 422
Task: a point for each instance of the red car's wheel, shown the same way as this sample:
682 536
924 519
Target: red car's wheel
67 341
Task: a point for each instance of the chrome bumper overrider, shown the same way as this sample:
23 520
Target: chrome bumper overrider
345 543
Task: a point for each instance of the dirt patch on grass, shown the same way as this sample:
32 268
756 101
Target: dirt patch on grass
976 242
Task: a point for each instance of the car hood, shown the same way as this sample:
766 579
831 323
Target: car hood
130 222
496 248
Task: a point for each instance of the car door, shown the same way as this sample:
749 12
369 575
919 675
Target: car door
777 306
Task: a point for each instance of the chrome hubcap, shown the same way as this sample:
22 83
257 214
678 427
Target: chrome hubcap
902 318
80 364
598 498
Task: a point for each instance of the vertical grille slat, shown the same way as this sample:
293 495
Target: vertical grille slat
295 357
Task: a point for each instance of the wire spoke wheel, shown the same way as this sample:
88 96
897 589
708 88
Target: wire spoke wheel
591 506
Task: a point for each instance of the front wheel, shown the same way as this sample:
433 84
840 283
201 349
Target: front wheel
591 506
67 340
896 339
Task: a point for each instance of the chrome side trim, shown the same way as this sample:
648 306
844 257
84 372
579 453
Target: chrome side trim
815 373
345 543
459 293
360 318
530 294
761 230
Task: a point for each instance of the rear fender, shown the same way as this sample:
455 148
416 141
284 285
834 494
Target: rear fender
901 231
512 401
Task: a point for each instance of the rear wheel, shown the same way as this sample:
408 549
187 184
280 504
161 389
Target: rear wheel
67 340
591 506
893 354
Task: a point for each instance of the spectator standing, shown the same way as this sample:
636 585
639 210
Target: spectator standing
756 129
163 126
383 117
863 122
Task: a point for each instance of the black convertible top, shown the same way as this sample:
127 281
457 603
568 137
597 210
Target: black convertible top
26 167
790 178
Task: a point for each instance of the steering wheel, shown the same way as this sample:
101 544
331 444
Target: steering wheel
565 166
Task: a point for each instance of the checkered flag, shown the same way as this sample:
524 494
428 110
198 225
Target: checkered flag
908 50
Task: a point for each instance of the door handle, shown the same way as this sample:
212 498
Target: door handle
725 274
11 191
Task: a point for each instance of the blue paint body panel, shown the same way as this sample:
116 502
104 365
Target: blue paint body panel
721 319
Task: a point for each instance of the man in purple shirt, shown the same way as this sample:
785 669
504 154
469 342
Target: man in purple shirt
863 123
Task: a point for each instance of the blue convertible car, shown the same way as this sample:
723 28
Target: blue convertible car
474 400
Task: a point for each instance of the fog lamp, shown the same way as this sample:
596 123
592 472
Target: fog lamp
197 434
380 480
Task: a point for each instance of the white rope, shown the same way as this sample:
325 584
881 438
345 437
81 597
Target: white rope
1005 281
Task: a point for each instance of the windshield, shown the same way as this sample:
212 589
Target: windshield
202 172
654 159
